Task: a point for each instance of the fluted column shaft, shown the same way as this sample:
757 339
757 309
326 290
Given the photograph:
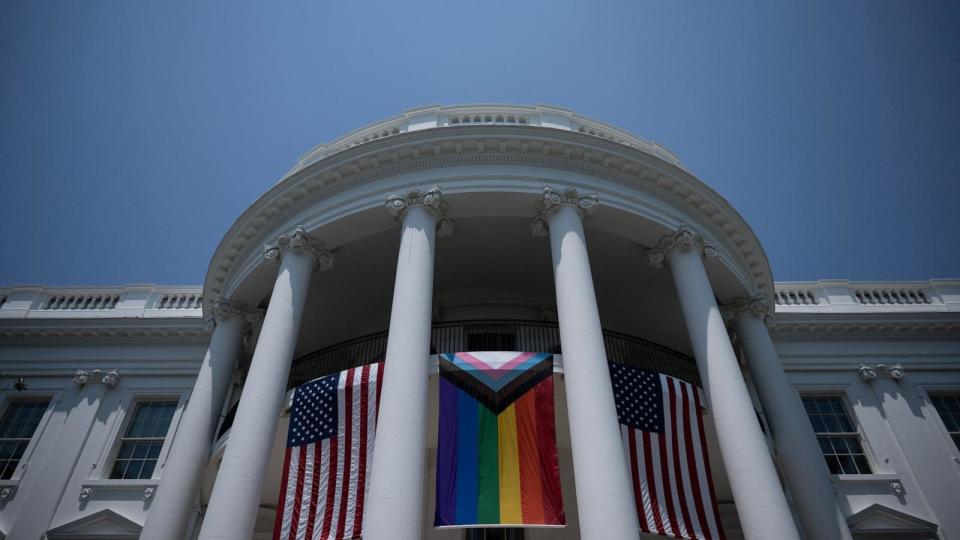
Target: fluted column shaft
232 512
190 450
394 507
605 502
761 504
799 453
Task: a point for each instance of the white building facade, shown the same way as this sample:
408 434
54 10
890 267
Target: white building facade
139 411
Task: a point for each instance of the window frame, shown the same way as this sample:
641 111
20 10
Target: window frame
122 424
841 394
925 392
53 399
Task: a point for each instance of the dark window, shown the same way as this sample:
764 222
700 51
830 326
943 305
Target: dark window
949 408
19 422
494 534
492 341
839 439
141 444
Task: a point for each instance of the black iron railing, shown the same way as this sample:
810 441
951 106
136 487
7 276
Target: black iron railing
492 335
486 335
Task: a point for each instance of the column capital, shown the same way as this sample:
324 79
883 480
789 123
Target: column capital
551 200
682 238
300 240
757 305
224 307
430 200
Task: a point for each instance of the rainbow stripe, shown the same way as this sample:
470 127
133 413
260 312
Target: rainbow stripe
498 469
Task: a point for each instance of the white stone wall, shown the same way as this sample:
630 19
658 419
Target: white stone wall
902 434
157 350
64 473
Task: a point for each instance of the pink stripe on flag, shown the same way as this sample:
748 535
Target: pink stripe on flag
494 372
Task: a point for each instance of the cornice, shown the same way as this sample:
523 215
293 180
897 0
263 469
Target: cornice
824 326
487 144
172 331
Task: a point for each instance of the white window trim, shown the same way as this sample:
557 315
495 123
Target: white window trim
122 420
53 395
842 391
924 392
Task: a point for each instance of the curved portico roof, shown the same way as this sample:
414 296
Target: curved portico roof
539 136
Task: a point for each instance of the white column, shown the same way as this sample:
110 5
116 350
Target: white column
180 478
394 507
797 449
761 504
605 502
232 511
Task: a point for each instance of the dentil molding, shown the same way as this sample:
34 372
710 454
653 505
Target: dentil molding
682 238
300 240
430 200
551 200
462 145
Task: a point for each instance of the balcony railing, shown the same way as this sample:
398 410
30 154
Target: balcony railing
492 335
489 335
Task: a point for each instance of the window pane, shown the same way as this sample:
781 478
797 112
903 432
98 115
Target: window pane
140 447
843 453
948 407
836 406
19 420
8 469
825 445
147 470
953 404
17 426
118 467
846 465
154 451
140 450
133 470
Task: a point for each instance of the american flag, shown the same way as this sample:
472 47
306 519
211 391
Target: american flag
329 448
663 439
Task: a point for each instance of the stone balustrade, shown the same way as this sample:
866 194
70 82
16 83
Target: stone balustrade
437 117
180 301
851 296
103 302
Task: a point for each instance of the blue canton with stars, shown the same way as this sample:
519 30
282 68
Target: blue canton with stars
639 397
314 413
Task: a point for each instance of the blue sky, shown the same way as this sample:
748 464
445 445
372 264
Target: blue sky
132 134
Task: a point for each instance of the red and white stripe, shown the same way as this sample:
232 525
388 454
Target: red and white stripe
325 483
671 472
